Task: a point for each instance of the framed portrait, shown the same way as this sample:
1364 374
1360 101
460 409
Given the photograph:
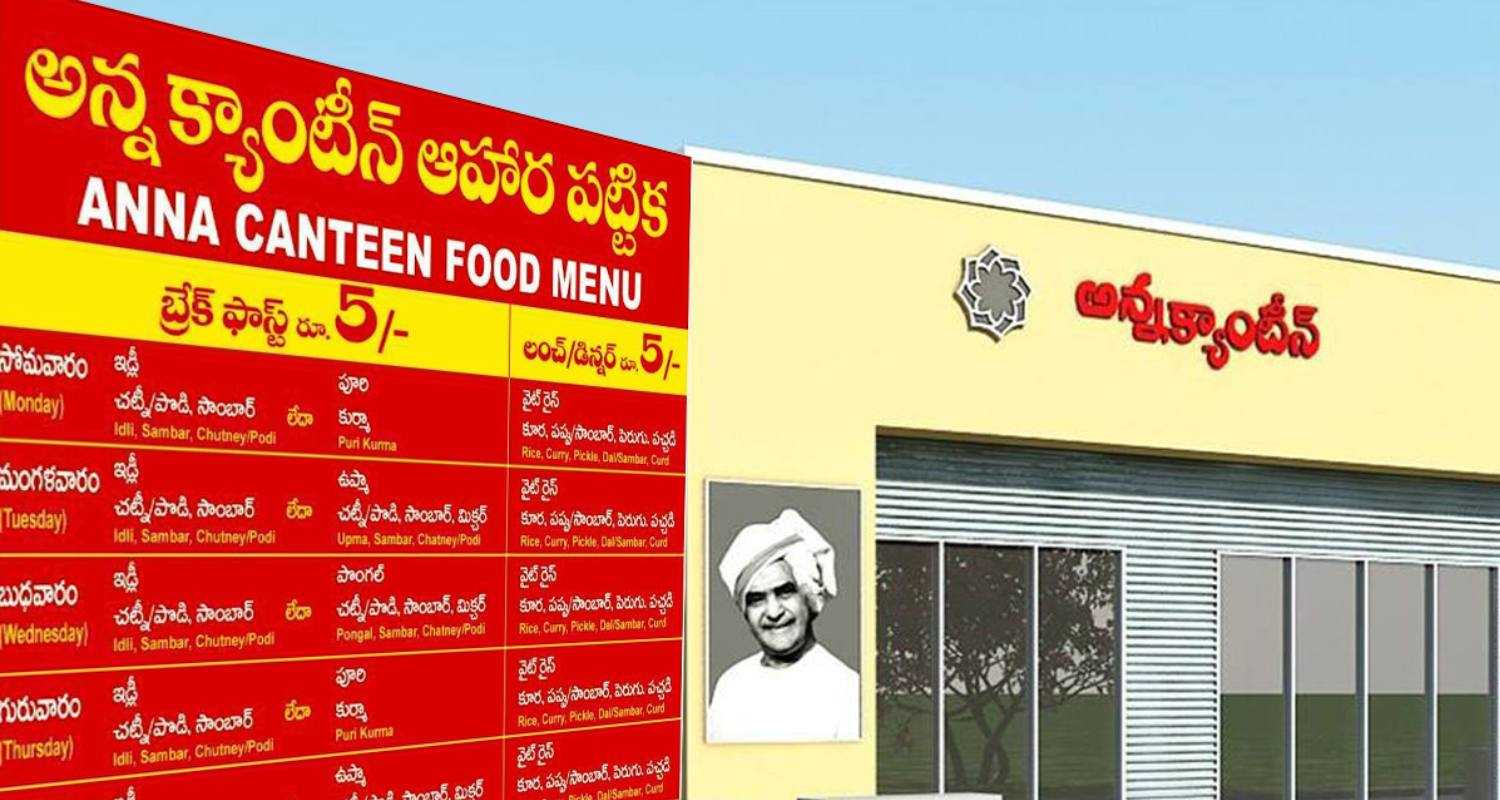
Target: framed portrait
783 640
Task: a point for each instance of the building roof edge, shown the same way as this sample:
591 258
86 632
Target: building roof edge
938 191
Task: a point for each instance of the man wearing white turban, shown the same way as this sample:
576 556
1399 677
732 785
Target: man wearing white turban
780 574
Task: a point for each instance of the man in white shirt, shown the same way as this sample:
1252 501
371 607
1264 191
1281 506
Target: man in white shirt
780 575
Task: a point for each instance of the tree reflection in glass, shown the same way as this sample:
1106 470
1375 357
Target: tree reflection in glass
906 668
1078 732
986 596
986 604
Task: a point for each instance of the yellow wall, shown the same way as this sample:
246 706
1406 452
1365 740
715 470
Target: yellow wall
822 313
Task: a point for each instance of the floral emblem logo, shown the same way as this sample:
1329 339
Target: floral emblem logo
993 293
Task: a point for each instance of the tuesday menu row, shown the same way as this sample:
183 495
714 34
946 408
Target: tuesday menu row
63 498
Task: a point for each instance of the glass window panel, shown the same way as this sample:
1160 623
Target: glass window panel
1326 709
985 662
1078 673
905 668
1463 682
1252 712
1398 700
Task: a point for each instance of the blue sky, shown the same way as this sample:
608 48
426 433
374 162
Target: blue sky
1373 124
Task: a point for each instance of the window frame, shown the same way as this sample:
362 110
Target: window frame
1034 548
1431 570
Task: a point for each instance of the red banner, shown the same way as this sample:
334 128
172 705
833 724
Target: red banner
342 432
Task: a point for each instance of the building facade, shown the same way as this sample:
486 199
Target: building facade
1146 509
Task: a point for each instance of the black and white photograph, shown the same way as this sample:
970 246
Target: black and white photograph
783 643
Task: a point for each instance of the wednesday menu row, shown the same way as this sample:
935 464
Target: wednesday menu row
325 478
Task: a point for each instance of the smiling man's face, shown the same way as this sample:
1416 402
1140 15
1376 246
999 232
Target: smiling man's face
777 613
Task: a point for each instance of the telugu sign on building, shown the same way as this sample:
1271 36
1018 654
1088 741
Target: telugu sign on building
343 431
